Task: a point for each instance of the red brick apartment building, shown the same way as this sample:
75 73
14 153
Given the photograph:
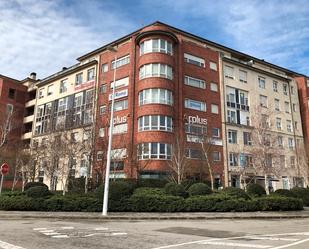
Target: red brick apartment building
167 89
12 100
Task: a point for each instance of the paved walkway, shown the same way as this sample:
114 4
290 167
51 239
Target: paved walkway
154 216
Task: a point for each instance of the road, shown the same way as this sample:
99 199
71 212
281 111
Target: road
156 234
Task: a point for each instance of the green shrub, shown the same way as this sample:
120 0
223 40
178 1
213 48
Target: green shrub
302 193
155 203
150 191
199 189
117 190
236 193
151 183
278 203
21 202
34 184
285 192
38 192
204 203
12 193
175 189
236 205
254 189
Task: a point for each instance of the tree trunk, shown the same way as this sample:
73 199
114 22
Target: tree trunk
266 184
86 185
210 174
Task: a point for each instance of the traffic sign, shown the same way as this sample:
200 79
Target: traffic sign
5 168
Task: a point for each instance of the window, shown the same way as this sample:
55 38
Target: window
282 161
294 107
41 93
78 79
194 154
280 141
102 109
277 104
247 138
50 90
155 96
287 107
278 124
214 109
289 125
11 93
262 83
103 88
292 90
194 60
269 160
195 129
156 70
275 86
121 62
290 143
101 132
216 156
190 81
285 89
99 155
154 151
265 121
63 86
229 72
214 87
156 45
120 83
9 109
231 116
263 101
121 128
155 122
292 161
295 125
90 74
233 159
243 76
213 65
215 132
120 105
195 105
232 136
104 68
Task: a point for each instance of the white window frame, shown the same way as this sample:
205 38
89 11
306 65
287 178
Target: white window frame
194 82
153 151
147 123
194 60
214 108
213 86
262 82
163 46
156 70
154 96
243 76
121 61
190 102
213 66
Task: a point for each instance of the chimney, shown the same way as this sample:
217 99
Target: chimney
64 68
33 76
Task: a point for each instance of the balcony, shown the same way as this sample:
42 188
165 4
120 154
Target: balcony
27 135
28 119
30 103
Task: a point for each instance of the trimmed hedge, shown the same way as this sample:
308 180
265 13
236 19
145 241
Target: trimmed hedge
175 189
151 183
302 193
236 193
117 190
279 203
37 192
34 184
285 192
254 189
199 189
150 191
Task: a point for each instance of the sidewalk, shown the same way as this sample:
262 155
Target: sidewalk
154 216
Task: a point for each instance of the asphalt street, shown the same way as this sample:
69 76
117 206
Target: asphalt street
156 234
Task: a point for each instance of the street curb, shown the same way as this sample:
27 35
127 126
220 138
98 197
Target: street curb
111 218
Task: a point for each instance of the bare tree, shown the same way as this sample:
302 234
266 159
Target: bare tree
7 118
266 148
179 162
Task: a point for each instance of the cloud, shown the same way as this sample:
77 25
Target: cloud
44 36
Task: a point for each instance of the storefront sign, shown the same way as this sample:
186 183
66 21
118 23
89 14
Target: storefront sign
120 94
197 120
84 85
120 120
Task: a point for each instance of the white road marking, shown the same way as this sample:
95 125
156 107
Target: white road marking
271 238
60 236
67 228
101 228
54 233
46 231
5 245
217 243
39 228
115 234
239 237
291 244
90 235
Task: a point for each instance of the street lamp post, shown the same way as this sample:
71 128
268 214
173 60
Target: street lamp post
110 136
